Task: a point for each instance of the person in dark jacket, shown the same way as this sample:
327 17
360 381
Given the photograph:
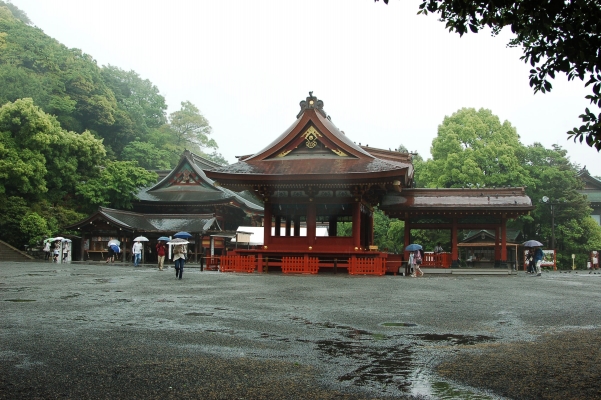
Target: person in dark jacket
538 259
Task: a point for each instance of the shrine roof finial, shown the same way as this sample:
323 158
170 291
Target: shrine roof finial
311 102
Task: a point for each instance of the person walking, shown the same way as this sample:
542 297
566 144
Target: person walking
56 251
136 250
438 249
161 251
530 260
179 257
47 251
538 259
417 261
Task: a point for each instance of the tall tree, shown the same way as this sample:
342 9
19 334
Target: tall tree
191 129
554 177
473 148
556 36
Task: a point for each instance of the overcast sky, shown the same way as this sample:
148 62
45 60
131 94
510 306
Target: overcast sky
386 75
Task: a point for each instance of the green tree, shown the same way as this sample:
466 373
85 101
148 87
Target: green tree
35 228
191 129
38 159
473 148
147 155
16 12
556 37
117 185
553 176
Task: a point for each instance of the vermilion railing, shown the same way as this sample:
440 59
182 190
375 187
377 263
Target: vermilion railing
367 266
300 265
440 260
237 264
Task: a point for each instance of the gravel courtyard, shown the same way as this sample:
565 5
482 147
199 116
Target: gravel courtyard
97 331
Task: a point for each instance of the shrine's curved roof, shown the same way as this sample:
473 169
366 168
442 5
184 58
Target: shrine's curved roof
188 183
133 221
314 149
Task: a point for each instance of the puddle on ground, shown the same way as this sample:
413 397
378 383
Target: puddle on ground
454 339
19 300
398 324
394 369
17 289
70 296
447 391
199 314
378 366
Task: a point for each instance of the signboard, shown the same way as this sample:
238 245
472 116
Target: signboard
548 259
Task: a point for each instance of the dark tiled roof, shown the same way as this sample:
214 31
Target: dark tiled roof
313 167
511 234
202 193
193 223
456 199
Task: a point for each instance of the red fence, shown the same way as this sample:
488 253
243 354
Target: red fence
237 264
441 260
367 266
300 265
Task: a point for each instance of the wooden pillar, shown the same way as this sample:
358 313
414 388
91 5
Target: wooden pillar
370 240
357 224
297 225
497 247
333 226
454 247
278 225
266 223
311 223
504 241
288 225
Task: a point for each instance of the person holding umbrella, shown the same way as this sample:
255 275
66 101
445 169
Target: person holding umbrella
179 257
538 254
46 250
136 250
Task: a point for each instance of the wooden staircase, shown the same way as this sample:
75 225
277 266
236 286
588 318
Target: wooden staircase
9 253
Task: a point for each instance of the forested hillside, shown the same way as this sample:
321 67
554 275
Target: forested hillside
75 135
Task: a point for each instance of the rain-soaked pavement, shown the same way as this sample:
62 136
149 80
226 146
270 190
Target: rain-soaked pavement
377 336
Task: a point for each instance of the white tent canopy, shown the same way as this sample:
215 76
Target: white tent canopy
256 234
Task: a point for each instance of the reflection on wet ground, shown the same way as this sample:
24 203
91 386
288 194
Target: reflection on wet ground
19 300
392 364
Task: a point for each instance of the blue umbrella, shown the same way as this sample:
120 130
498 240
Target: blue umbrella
182 235
532 243
115 248
413 247
165 238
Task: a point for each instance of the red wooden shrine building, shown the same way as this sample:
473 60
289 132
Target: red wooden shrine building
313 174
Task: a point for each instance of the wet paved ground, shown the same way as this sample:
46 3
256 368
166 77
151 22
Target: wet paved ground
97 330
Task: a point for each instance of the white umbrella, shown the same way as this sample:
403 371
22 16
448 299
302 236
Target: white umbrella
177 241
141 239
57 238
114 241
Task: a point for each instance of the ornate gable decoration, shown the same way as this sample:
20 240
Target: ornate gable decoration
311 103
311 143
185 177
311 135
